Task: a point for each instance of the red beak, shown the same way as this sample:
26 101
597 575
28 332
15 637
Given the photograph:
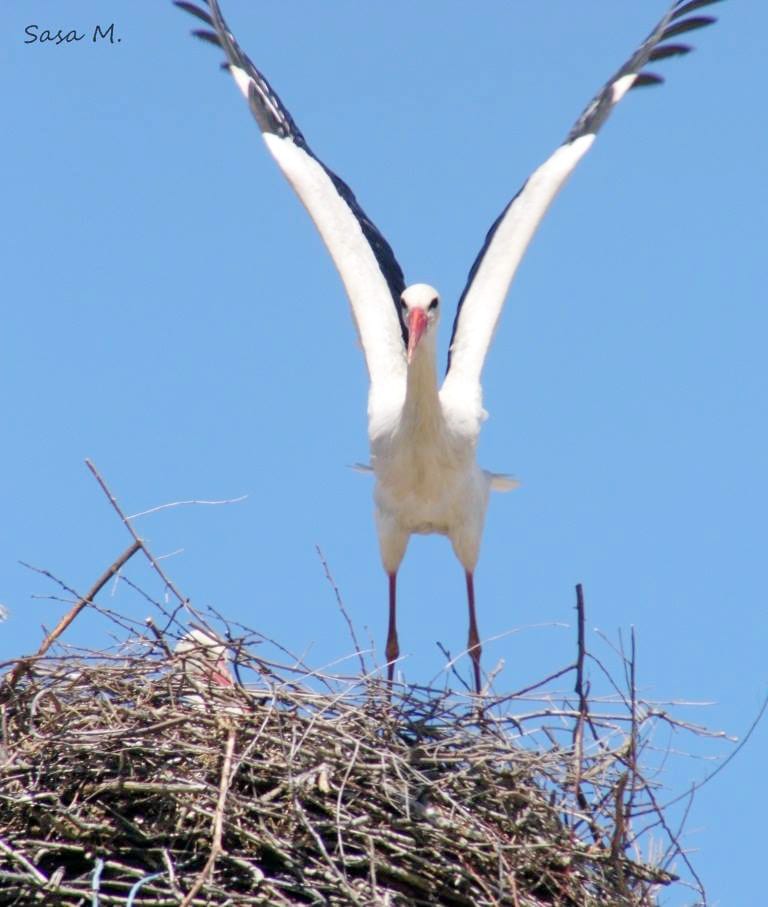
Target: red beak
220 674
417 324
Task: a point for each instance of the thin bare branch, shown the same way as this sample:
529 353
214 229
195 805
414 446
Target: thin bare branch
344 614
128 525
171 504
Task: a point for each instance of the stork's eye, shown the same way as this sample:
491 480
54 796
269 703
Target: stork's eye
433 304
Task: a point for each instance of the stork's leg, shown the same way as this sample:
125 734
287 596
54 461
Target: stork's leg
473 643
393 649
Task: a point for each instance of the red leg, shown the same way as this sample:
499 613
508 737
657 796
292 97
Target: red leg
473 643
393 649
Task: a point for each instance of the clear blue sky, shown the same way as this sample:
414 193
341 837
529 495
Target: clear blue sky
169 312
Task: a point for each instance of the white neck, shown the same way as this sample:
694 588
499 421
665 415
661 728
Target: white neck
421 413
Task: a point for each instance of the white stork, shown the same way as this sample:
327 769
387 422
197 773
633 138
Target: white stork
423 435
204 659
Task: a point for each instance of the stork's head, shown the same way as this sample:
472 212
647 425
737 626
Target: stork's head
204 658
421 308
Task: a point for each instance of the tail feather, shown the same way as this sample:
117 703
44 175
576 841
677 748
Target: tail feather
502 482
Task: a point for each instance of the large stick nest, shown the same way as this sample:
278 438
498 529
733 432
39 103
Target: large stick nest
126 779
161 773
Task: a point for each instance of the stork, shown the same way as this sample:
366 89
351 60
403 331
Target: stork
423 435
204 659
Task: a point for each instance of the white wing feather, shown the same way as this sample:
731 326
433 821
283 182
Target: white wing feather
482 304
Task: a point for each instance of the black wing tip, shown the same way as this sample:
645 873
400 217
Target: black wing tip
194 10
683 7
648 80
208 36
686 25
657 46
664 51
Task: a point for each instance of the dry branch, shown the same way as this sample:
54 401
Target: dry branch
23 664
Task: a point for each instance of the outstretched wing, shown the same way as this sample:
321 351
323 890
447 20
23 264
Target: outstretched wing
367 265
492 272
